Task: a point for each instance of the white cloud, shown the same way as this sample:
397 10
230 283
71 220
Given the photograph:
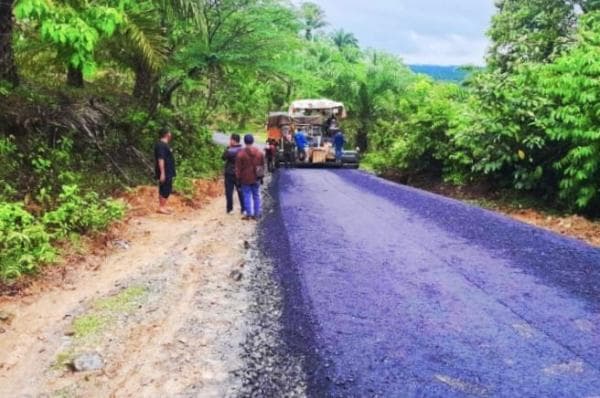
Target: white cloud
443 32
451 49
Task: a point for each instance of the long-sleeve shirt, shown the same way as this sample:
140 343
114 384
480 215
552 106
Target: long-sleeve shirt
229 157
246 162
300 140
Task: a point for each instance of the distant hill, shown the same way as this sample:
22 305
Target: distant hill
445 73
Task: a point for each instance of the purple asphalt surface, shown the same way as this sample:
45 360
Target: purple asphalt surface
393 292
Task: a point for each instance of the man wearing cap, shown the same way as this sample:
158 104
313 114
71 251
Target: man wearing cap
250 170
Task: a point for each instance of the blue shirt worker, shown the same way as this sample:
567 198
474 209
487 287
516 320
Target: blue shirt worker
301 143
338 142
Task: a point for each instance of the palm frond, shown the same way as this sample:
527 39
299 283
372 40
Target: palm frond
187 9
146 38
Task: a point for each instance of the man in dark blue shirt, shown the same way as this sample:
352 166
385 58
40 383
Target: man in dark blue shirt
231 183
164 169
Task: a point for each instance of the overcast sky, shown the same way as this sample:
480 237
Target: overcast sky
439 32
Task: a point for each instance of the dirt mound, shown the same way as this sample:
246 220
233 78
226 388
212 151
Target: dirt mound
574 226
143 200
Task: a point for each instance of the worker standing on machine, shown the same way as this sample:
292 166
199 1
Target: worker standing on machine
301 142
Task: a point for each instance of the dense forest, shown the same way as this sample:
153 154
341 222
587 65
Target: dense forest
84 87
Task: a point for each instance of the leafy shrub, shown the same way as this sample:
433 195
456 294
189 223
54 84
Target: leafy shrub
8 159
425 146
24 243
376 161
502 133
184 185
51 169
79 213
572 82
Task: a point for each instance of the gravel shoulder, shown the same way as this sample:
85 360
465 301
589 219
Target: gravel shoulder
178 310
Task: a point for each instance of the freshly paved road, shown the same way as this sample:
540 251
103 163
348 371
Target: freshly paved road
394 292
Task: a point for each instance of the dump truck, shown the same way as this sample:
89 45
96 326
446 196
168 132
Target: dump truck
319 119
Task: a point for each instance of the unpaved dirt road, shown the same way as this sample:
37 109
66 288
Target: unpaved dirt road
177 311
394 292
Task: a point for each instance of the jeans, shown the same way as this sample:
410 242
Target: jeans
339 152
230 187
252 199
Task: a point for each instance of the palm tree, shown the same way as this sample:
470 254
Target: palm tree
342 39
145 40
146 51
314 18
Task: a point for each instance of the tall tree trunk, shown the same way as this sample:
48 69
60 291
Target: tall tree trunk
74 76
146 87
364 117
8 69
362 139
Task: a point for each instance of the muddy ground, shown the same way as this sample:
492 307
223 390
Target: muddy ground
185 306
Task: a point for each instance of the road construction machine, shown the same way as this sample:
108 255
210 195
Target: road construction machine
319 121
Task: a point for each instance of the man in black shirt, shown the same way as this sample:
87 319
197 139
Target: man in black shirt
231 183
165 169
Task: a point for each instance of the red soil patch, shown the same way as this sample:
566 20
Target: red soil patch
144 200
573 226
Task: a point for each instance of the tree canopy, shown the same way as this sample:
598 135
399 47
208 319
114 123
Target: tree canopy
87 83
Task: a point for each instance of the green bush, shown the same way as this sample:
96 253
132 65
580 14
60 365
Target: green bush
8 159
572 83
24 242
425 146
79 213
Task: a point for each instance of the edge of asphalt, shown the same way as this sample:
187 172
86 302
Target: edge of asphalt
298 328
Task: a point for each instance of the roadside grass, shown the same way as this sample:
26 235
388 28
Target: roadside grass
87 329
88 325
63 359
122 302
